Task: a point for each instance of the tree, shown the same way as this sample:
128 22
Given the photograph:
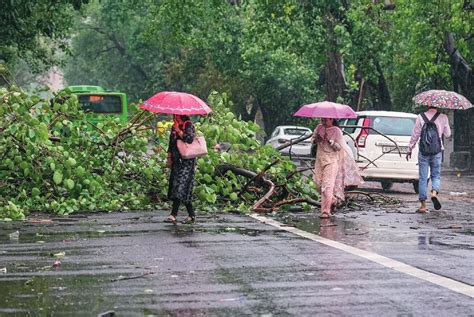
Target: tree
272 56
248 50
35 31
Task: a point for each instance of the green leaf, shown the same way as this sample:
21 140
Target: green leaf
58 177
70 162
35 191
69 183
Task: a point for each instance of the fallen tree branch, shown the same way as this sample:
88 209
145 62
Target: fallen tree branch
259 205
299 170
265 197
259 175
223 168
298 200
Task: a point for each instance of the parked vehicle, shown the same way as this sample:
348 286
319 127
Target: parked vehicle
98 102
376 155
285 133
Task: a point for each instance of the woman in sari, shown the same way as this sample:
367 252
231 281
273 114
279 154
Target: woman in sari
335 167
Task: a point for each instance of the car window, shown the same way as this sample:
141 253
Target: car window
349 122
392 125
295 131
275 132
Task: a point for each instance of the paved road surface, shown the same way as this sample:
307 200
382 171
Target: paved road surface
233 265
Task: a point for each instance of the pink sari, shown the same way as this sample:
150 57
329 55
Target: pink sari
335 167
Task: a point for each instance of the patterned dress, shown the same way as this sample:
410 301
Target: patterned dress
182 171
335 167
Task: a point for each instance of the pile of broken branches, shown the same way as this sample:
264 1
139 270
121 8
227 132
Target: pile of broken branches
275 195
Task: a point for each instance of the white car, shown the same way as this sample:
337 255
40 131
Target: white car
285 133
387 166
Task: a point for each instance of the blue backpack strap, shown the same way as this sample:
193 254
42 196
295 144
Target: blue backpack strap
425 118
435 116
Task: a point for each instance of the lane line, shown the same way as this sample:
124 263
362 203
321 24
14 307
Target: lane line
439 280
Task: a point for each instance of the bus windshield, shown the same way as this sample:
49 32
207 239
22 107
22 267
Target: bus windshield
101 103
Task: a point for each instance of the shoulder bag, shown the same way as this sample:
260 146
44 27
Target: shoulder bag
192 150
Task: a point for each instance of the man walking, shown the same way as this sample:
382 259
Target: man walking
430 127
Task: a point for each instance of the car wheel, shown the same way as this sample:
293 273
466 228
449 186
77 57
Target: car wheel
415 186
386 186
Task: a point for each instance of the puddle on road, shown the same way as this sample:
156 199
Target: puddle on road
184 231
369 235
333 229
31 237
49 295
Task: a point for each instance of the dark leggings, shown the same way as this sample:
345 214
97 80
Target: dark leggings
189 208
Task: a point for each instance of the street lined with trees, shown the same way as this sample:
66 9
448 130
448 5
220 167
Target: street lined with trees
268 57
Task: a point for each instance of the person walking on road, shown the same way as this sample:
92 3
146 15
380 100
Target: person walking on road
181 181
430 127
335 167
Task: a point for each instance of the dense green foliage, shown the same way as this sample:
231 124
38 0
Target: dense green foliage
35 31
54 160
272 56
264 61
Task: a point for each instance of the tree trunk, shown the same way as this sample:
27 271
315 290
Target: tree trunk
461 70
384 102
334 76
334 79
268 123
463 79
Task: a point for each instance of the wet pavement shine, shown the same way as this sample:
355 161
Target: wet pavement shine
133 264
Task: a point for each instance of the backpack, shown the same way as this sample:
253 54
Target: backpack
430 142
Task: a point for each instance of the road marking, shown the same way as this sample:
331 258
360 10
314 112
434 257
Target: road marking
439 280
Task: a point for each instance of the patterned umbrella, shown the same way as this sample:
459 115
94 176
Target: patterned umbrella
442 99
174 102
326 109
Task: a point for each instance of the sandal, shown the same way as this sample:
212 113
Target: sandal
435 200
189 220
171 219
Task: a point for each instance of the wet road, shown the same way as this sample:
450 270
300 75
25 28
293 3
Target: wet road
233 265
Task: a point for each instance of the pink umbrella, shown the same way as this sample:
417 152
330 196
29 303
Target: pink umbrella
326 109
442 99
174 102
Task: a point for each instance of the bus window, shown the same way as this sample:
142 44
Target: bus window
101 103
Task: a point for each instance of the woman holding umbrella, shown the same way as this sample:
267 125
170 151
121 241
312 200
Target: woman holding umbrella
180 188
181 181
335 167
